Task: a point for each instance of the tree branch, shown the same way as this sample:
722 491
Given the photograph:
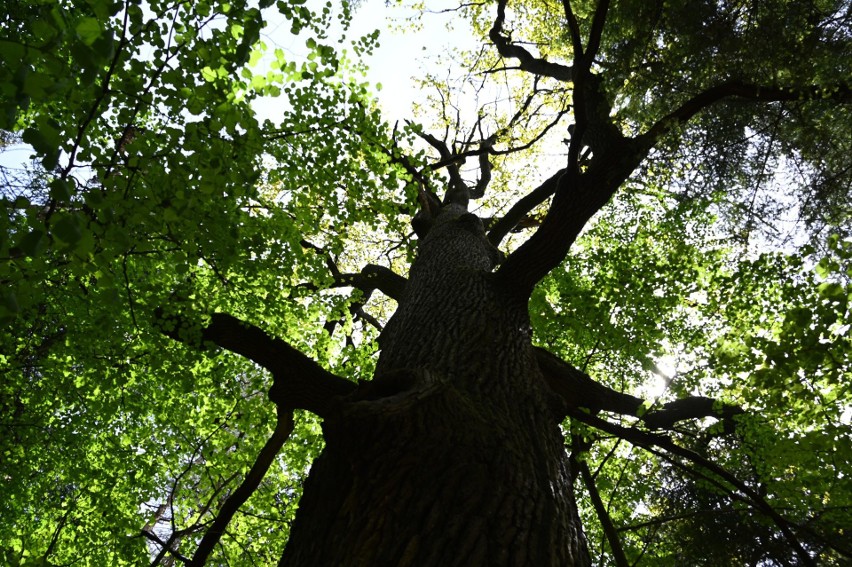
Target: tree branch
298 381
458 191
603 515
840 92
650 442
574 29
527 61
579 390
478 190
415 173
283 428
694 407
523 207
595 34
102 95
577 198
580 192
373 276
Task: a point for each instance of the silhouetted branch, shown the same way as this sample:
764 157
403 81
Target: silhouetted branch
523 207
651 442
537 138
457 192
398 157
574 29
547 247
579 193
579 390
839 92
283 428
695 407
595 33
603 515
298 381
526 60
478 190
373 276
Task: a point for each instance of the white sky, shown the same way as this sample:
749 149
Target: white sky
401 54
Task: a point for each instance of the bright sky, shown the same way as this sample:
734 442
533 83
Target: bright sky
401 54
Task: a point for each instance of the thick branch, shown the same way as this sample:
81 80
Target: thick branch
580 192
522 208
298 381
478 190
574 28
579 195
371 277
603 515
577 198
691 408
452 160
595 33
527 61
283 428
840 92
578 390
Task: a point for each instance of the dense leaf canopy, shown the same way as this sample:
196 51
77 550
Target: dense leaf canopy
720 271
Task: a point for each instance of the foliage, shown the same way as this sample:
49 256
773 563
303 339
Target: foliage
769 333
157 182
157 185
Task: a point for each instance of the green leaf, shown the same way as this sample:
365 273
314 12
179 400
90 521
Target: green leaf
44 138
89 30
12 52
61 189
831 290
9 303
67 228
38 85
33 243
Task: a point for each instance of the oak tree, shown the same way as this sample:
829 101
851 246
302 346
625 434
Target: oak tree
317 338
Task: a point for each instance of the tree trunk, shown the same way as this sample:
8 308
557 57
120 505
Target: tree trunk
452 455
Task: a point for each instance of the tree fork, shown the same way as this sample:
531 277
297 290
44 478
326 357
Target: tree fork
452 454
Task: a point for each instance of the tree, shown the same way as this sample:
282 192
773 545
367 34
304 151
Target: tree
175 268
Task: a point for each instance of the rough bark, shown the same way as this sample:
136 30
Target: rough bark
452 455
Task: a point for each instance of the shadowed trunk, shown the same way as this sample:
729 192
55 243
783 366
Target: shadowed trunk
452 455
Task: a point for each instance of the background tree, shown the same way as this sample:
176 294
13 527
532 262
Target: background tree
175 268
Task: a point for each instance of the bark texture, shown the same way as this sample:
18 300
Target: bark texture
452 454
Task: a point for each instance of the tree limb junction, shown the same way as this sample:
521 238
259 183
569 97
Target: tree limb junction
298 381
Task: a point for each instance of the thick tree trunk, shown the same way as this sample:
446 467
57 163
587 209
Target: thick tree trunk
452 455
